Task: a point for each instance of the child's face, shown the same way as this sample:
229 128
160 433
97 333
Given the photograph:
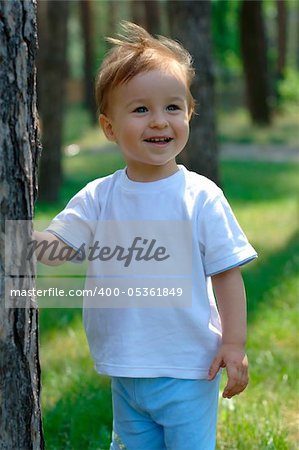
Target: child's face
149 119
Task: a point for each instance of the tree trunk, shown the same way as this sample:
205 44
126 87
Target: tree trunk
20 414
113 18
153 16
254 57
281 46
281 37
88 41
190 23
52 73
147 14
137 12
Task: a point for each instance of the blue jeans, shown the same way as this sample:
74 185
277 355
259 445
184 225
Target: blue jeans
164 413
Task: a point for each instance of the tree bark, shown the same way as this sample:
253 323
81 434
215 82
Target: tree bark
113 18
147 14
52 73
20 414
88 41
137 12
153 16
281 37
254 57
190 23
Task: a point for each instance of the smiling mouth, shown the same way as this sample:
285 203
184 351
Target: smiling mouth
161 140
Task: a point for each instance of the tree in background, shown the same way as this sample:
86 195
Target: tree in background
147 14
190 23
112 20
225 36
281 44
153 16
227 59
281 37
20 414
86 16
52 74
254 58
137 12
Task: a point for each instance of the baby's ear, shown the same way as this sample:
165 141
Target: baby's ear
106 125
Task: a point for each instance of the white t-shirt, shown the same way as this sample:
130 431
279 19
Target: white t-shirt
159 342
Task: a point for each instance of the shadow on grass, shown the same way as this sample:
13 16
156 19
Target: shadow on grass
259 181
269 273
54 319
82 418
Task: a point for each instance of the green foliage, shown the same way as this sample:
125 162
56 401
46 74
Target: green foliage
288 89
75 43
77 121
225 35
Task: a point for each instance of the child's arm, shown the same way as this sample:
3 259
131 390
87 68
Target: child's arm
229 290
47 245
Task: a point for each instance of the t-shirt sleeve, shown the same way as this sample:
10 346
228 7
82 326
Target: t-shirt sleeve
223 243
75 224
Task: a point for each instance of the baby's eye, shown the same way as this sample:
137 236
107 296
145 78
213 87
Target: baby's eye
140 109
172 107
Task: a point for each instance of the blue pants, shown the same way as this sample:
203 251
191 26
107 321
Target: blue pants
164 413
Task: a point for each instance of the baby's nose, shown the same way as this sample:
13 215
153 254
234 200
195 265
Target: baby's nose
158 121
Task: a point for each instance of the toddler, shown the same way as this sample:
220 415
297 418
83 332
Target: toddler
164 362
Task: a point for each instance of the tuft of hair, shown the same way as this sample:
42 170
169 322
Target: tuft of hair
135 51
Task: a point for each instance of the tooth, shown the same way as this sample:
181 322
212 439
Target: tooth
159 139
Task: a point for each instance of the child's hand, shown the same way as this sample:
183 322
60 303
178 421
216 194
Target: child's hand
233 357
50 249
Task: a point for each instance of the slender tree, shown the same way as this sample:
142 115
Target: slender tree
86 15
153 16
254 57
52 73
113 17
137 12
281 42
147 13
190 23
281 37
20 414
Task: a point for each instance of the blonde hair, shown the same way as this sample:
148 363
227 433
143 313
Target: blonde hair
137 51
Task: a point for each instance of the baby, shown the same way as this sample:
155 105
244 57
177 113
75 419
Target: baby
164 361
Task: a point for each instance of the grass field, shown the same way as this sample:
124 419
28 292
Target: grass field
76 402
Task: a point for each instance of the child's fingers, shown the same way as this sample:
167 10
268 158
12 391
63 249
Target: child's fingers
216 364
237 381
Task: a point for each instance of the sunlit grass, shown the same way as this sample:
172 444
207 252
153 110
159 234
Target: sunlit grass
77 402
236 127
264 417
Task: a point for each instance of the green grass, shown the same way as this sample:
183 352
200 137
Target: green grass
236 127
76 402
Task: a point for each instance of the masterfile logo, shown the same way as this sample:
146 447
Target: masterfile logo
140 249
145 263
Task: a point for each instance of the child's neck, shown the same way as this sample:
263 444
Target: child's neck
147 173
